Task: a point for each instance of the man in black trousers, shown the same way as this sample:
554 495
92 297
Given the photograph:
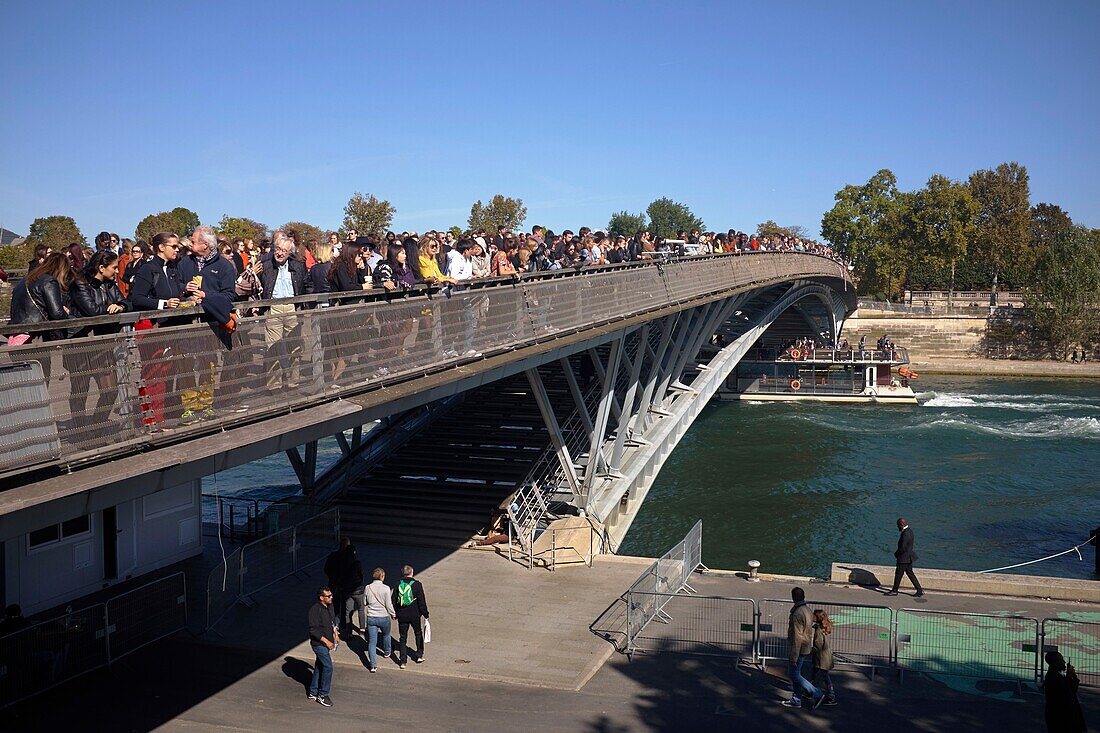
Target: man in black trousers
905 559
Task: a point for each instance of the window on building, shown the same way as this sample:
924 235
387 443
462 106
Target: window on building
57 532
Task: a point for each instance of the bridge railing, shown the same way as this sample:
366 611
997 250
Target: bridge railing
72 401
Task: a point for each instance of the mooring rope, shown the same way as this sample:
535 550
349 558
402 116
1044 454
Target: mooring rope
1048 557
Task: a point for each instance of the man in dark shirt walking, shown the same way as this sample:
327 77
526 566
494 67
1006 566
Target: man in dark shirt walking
323 638
905 558
411 605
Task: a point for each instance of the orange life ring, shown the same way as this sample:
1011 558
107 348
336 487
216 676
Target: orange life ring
795 353
796 385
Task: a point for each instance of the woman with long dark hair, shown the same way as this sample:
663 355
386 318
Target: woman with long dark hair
347 273
96 294
43 295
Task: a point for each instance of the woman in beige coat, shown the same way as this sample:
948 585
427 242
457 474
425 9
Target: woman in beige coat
823 654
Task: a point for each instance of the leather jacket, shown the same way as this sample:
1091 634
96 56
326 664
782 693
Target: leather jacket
43 300
90 299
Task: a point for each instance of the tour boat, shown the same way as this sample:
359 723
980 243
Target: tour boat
822 374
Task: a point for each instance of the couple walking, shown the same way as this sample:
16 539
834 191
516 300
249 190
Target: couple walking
808 643
380 605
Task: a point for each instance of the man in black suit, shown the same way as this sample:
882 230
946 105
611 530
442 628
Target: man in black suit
905 559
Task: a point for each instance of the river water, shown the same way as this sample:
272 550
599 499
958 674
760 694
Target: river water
989 472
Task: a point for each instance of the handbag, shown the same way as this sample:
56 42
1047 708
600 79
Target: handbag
427 631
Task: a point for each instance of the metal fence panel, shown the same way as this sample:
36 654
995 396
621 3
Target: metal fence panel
28 429
223 587
700 625
51 652
1078 642
266 561
861 634
146 614
317 537
967 644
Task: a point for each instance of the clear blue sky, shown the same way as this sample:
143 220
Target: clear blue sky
745 111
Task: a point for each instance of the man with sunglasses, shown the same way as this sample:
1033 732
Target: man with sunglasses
324 637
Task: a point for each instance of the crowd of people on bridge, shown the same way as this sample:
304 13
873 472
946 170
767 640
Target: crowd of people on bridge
232 279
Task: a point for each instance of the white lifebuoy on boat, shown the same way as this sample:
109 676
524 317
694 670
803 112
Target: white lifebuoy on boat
796 385
795 354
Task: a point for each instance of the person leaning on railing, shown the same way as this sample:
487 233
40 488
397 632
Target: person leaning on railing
96 294
41 296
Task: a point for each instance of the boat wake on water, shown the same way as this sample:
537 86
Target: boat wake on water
1051 426
1025 403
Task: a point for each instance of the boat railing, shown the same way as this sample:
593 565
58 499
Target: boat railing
895 356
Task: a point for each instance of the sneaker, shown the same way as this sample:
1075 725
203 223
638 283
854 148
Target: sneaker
372 670
420 659
892 593
311 696
326 701
818 701
402 665
829 701
920 594
791 703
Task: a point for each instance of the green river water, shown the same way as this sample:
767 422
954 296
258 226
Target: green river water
989 472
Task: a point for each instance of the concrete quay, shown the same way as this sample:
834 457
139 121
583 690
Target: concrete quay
960 581
529 650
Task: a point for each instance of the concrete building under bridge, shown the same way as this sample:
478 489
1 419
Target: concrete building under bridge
558 395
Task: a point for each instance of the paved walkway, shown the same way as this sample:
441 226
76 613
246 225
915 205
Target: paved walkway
514 625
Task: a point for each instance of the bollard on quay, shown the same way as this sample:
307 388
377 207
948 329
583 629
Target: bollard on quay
754 569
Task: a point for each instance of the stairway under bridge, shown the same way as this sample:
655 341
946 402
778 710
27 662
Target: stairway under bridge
608 367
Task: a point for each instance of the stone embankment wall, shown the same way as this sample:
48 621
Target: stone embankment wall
927 337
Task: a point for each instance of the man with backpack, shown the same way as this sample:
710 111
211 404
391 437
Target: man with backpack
408 599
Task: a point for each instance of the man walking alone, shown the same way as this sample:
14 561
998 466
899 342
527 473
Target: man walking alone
408 599
905 559
323 638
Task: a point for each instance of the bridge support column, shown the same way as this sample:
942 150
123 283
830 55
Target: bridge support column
305 468
556 438
628 400
645 404
603 412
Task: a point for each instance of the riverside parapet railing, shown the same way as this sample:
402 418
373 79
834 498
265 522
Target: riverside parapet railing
384 339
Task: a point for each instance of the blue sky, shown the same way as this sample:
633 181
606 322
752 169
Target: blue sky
745 111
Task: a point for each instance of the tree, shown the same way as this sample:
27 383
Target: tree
179 221
944 220
626 224
55 231
770 229
667 217
456 232
868 225
501 211
1048 223
368 214
305 233
1004 218
1063 297
233 227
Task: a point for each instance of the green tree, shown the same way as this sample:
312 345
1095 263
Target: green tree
626 224
501 211
770 229
944 221
1063 296
179 221
1048 223
54 231
368 214
233 227
666 217
1004 220
305 233
456 231
869 224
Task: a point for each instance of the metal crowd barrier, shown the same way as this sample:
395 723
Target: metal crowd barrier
949 643
661 581
51 652
260 564
117 393
1078 642
862 635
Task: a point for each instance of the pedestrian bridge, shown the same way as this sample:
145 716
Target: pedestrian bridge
615 361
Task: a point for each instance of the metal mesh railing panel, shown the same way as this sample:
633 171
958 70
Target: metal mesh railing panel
861 634
223 587
146 614
317 537
704 625
115 390
968 645
1078 642
51 652
266 561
